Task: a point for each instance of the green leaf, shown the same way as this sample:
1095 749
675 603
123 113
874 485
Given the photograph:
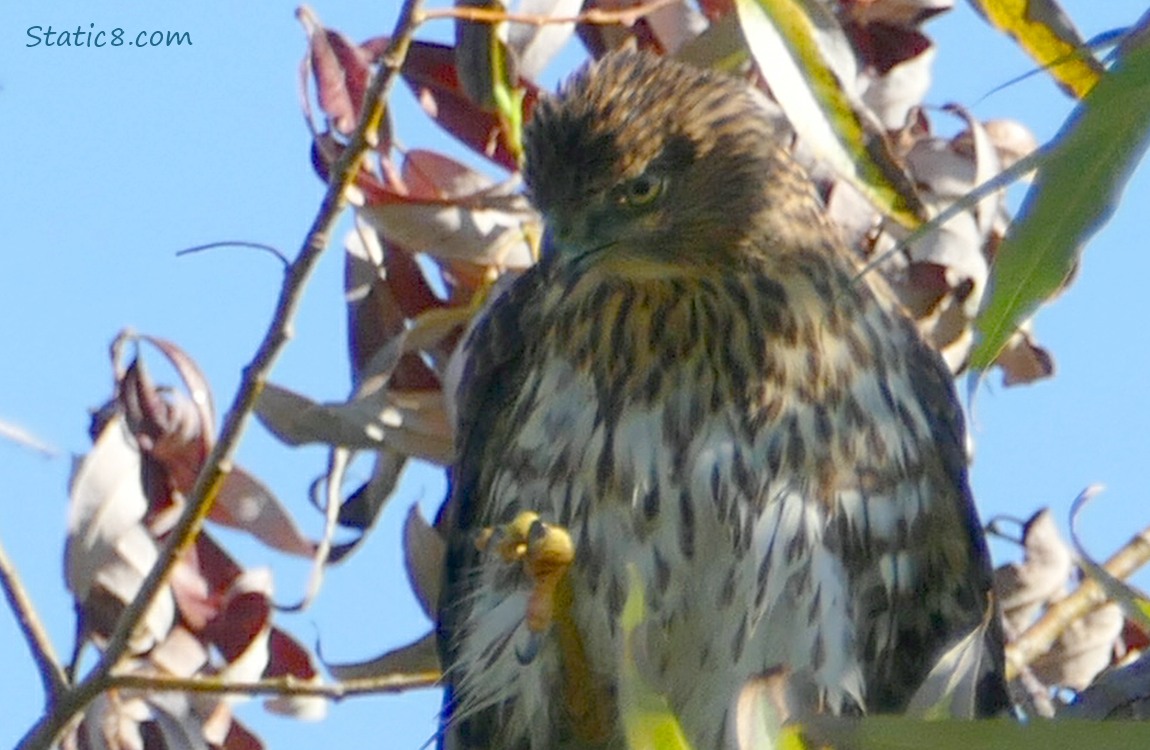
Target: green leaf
1045 33
790 41
1079 184
648 720
902 733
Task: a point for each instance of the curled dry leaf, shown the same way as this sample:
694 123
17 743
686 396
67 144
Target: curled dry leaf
413 422
288 658
1119 694
452 212
536 45
341 69
1083 650
423 559
430 72
1025 587
109 550
418 658
245 504
362 507
765 704
894 12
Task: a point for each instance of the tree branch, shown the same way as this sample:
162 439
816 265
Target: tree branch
1040 637
219 461
281 686
595 16
51 673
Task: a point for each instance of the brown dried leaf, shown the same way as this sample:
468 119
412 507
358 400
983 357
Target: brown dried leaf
1023 360
420 657
461 215
536 45
423 559
288 657
430 72
244 503
764 705
181 654
897 74
374 313
412 422
894 12
341 71
361 510
1083 650
240 631
1024 588
109 551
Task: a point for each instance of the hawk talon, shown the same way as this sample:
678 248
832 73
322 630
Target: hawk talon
545 552
528 654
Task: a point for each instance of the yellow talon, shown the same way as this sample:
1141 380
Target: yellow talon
546 553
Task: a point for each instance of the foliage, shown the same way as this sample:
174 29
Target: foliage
180 625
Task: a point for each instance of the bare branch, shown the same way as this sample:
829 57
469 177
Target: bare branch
281 686
219 462
1040 636
621 17
238 243
51 673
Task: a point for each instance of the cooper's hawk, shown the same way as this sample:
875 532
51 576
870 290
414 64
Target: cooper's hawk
695 385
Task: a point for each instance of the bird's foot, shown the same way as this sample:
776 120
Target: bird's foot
545 552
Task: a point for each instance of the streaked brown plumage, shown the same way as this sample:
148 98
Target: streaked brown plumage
693 382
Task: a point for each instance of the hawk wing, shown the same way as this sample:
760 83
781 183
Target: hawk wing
952 579
493 373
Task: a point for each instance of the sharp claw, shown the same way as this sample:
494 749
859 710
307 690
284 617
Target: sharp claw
528 654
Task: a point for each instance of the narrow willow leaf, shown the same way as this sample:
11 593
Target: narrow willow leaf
950 690
1045 33
648 720
1078 187
904 733
1136 607
789 40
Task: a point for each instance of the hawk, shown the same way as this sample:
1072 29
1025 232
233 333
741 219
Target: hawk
695 384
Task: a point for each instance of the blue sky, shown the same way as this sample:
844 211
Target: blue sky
114 159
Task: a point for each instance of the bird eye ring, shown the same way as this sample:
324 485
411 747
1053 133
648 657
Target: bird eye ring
643 190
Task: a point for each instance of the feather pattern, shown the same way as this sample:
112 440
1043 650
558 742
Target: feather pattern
719 404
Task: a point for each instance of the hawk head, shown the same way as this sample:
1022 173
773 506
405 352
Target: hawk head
646 164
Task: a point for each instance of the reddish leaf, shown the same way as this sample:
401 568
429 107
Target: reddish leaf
430 72
240 738
244 615
881 46
288 657
246 504
174 431
478 222
341 70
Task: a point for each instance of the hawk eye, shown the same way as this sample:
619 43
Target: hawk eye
642 190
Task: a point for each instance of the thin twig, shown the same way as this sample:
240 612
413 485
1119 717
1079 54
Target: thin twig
1040 637
281 686
595 17
219 461
51 672
237 243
